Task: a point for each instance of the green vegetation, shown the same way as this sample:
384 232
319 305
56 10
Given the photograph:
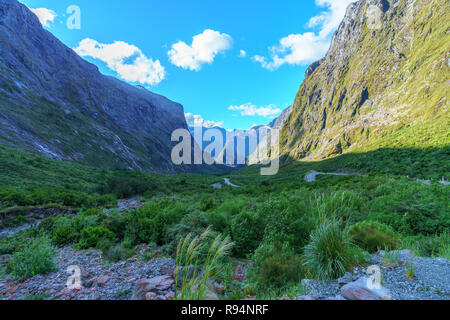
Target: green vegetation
410 273
194 285
37 257
379 100
330 252
373 236
280 223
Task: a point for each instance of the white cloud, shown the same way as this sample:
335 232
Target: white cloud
295 49
194 120
329 19
127 60
250 109
242 54
45 16
302 49
204 48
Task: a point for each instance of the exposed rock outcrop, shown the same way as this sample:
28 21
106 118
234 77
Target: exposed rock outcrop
55 103
386 69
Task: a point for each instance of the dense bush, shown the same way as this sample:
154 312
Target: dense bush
429 246
92 237
65 235
276 265
128 184
117 252
373 236
44 196
37 257
287 219
411 207
330 252
343 204
17 241
151 222
247 233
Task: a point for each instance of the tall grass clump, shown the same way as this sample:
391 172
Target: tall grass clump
192 284
331 252
37 257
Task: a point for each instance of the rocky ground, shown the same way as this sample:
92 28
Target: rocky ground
100 280
431 281
147 276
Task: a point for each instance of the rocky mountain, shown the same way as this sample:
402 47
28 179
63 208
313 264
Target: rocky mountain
385 72
279 122
55 103
230 138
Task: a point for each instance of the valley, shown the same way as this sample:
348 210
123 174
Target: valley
93 206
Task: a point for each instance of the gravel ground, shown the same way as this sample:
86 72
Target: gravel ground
431 281
100 281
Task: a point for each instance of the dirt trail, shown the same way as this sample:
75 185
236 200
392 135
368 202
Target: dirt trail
311 177
227 182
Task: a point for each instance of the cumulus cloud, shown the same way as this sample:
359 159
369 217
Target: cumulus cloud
203 50
45 16
127 60
302 49
249 109
194 120
329 19
242 54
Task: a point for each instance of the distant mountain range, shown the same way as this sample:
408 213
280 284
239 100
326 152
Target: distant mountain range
229 137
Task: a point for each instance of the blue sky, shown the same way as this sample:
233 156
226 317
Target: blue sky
232 63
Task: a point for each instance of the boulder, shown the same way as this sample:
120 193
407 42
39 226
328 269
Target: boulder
145 286
150 296
189 271
305 298
359 290
345 279
101 281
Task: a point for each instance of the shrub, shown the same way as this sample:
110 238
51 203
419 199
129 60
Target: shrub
193 223
126 185
287 220
65 235
117 223
275 266
91 236
117 253
38 257
342 204
247 233
207 204
17 241
330 252
373 236
428 246
411 208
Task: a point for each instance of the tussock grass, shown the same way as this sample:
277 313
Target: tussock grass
194 281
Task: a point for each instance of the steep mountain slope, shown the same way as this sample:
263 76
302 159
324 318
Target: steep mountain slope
387 70
243 142
279 122
55 103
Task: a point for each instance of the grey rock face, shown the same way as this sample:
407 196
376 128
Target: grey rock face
354 95
55 103
359 290
279 122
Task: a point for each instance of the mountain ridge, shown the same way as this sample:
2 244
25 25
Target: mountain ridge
55 103
385 70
